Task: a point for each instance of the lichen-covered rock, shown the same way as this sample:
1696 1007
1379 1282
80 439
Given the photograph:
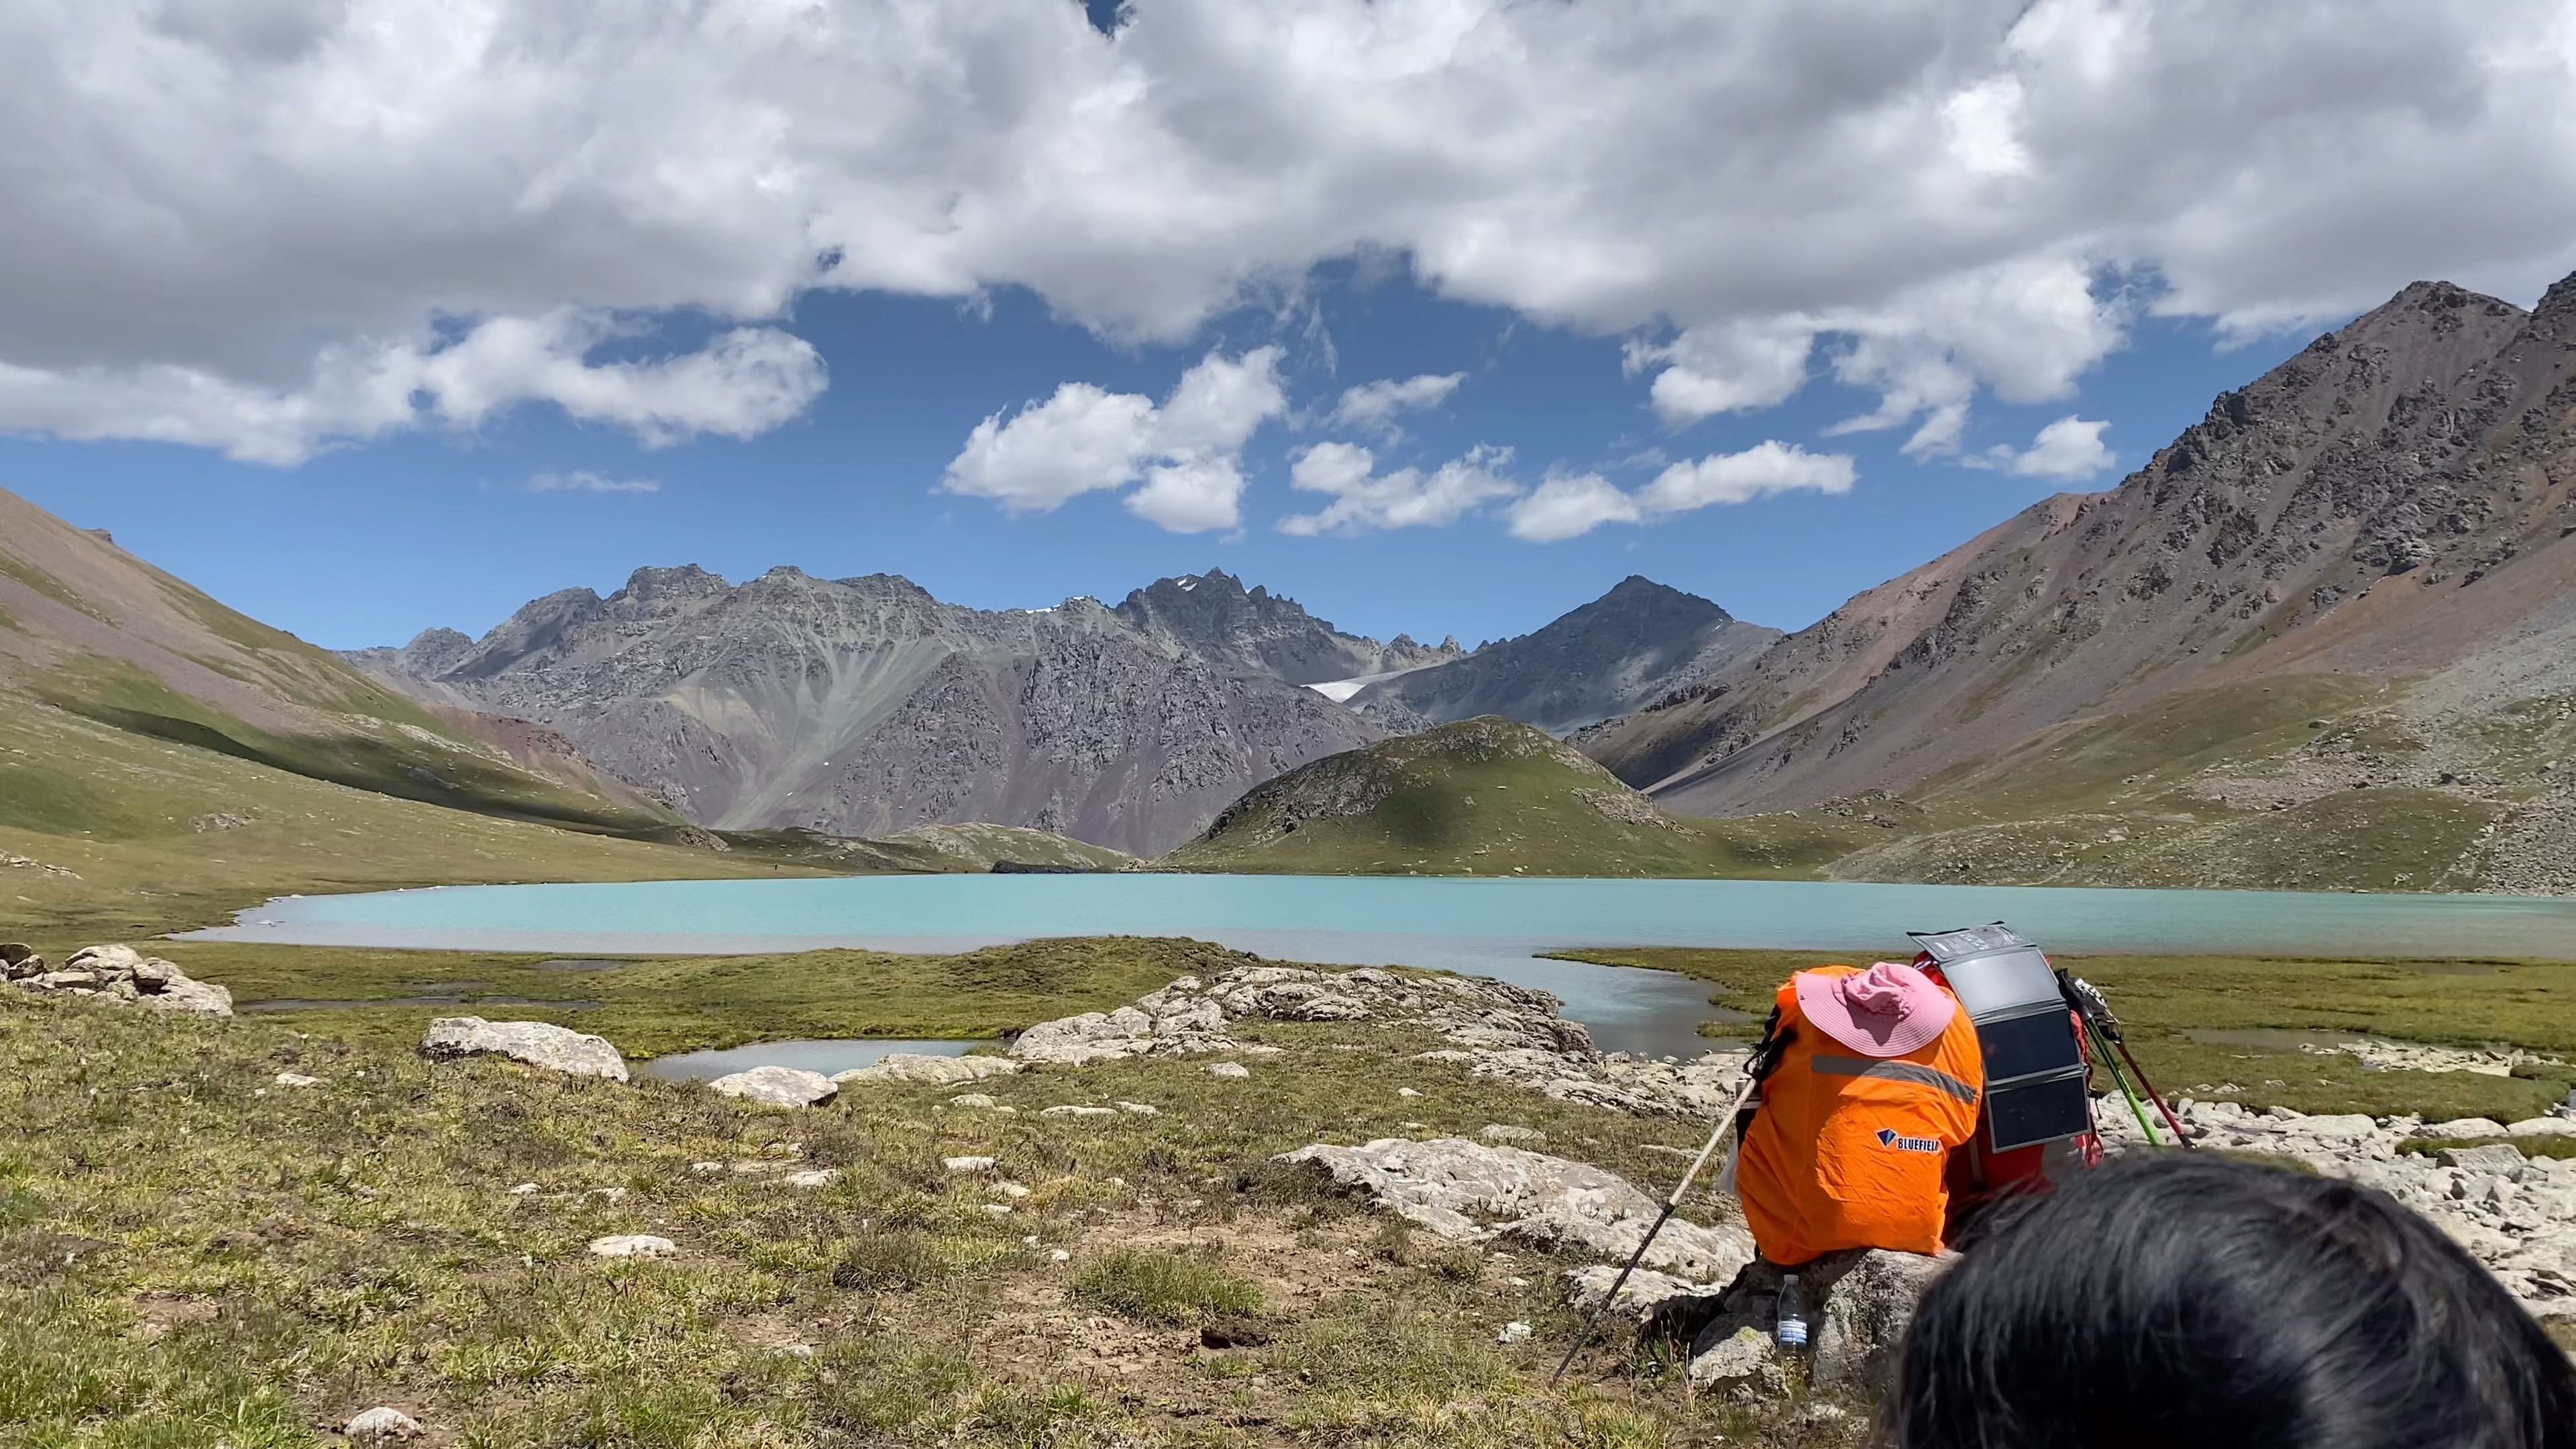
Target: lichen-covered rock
19 961
927 1069
1462 1189
537 1043
776 1086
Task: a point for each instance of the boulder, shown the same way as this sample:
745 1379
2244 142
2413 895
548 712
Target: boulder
967 1164
381 1423
2541 1127
1236 1070
537 1043
19 961
814 1177
633 1245
924 1068
1093 1036
1462 1189
2496 1157
777 1086
106 958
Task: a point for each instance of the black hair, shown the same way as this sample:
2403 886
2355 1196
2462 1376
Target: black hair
2195 1302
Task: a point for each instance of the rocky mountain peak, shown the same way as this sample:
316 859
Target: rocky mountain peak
1635 644
688 581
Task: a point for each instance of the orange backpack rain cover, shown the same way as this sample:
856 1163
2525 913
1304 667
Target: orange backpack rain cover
1849 1151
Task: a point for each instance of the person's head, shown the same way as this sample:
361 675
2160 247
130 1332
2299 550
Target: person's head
2193 1302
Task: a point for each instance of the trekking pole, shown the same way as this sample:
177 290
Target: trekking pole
1743 1093
2120 1079
2152 1094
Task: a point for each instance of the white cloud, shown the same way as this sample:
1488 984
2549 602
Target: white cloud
1373 405
244 225
1567 507
745 382
2069 449
1365 499
1085 439
587 482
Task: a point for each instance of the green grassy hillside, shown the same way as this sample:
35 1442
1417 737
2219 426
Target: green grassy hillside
1486 796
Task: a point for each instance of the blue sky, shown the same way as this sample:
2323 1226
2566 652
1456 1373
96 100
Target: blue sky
368 316
369 544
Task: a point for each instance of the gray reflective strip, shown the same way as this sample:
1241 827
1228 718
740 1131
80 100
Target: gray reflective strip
1920 1076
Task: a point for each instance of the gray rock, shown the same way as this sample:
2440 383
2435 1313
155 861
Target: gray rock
927 1069
967 1164
106 958
776 1086
180 993
1466 1190
19 961
2494 1157
1070 1110
1236 1070
1093 1036
1737 1355
633 1245
2541 1127
975 1101
537 1043
381 1423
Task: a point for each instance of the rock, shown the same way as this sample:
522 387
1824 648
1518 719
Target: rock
2541 1127
121 974
967 1164
633 1245
19 961
1514 1332
1640 1297
813 1177
1858 1305
1494 1029
297 1079
1070 1110
555 1048
1732 1355
972 1100
106 958
1866 1307
2494 1157
382 1423
1236 1070
777 1086
1448 1184
2463 1127
1093 1036
183 994
921 1067
2346 1128
1139 1109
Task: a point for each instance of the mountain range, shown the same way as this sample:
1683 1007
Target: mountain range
864 706
2334 619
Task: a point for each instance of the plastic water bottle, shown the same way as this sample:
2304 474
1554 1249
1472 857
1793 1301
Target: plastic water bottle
1792 1333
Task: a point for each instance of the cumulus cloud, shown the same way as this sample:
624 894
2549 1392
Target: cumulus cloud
1567 507
2069 449
747 381
1373 405
244 225
1085 439
587 482
1365 499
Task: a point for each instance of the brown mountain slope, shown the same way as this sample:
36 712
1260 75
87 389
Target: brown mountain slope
91 631
2375 534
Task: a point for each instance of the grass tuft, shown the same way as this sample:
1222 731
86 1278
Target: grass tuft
1157 1287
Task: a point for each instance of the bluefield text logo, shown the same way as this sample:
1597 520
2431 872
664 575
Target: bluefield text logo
1889 1137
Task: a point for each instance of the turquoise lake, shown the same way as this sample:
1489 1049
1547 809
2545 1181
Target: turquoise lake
1487 927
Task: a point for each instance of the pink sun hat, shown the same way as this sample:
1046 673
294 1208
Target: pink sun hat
1887 1011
